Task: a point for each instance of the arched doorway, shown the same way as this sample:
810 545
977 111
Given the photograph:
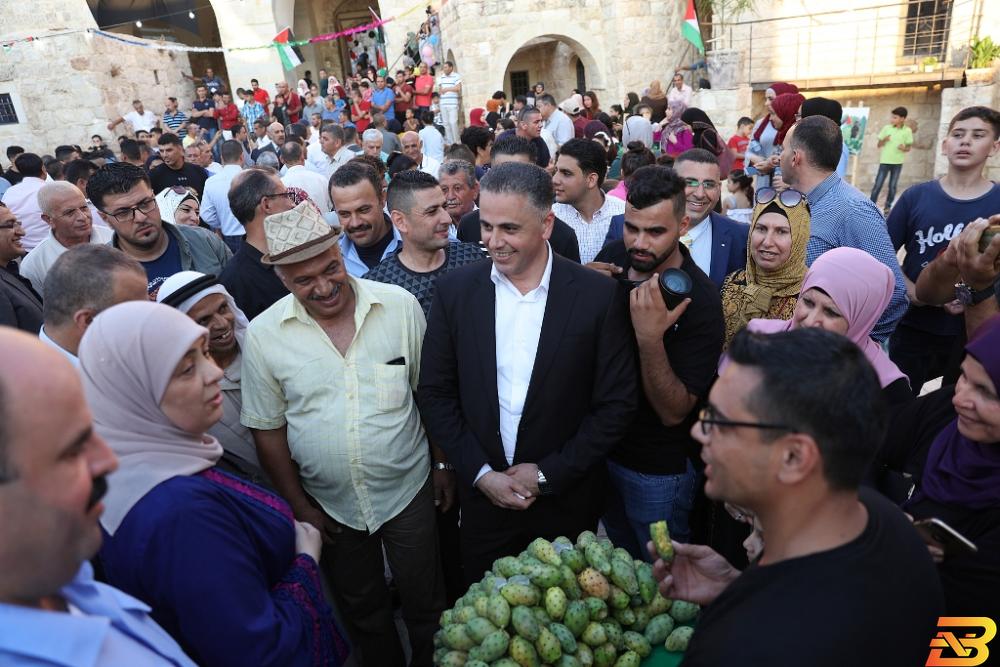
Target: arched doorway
339 56
560 62
180 21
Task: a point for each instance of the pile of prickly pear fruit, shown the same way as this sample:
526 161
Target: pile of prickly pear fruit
566 605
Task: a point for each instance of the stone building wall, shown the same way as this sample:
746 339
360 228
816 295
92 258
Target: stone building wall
552 63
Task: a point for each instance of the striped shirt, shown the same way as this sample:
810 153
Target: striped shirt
448 81
842 216
177 122
250 112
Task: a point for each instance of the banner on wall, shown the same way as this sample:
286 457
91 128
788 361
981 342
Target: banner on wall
852 127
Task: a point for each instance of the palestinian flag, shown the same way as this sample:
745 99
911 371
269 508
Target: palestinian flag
690 30
290 55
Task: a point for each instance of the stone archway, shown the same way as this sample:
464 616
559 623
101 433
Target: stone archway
552 56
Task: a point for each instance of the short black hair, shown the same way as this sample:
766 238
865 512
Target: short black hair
518 178
699 155
53 167
744 120
130 149
373 162
169 138
988 115
77 169
114 178
248 188
64 151
296 130
231 151
14 151
654 183
335 131
30 164
819 138
83 277
476 137
405 185
459 151
353 173
545 99
512 144
523 99
292 152
398 163
900 111
523 114
427 117
820 384
591 157
636 155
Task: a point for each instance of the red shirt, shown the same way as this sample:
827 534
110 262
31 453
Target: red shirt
294 103
401 104
424 81
265 100
739 144
361 124
229 115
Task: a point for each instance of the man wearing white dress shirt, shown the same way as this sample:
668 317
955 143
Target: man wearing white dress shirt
215 209
298 176
413 148
334 152
556 120
84 281
68 216
680 91
527 378
22 199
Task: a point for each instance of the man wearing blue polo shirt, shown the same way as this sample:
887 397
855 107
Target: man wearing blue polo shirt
383 99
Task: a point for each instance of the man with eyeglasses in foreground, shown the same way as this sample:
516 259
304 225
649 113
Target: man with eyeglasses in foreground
124 197
20 305
789 430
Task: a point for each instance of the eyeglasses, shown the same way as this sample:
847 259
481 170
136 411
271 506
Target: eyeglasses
14 225
290 196
708 417
787 198
127 215
693 183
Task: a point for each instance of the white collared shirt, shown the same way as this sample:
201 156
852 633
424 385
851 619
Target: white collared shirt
215 203
590 234
518 327
44 337
315 185
429 165
701 244
36 264
22 200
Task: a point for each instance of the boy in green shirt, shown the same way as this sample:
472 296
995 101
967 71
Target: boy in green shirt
895 141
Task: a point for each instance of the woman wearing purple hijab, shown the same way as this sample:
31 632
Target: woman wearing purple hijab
949 441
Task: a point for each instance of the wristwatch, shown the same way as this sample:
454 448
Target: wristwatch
970 297
543 484
442 465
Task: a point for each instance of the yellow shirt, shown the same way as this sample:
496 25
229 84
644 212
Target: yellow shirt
353 425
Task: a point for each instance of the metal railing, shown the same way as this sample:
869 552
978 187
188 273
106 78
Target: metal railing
921 39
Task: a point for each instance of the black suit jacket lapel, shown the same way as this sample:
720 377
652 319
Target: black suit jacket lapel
484 326
15 282
558 309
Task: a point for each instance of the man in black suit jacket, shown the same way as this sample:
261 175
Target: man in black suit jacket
528 377
20 305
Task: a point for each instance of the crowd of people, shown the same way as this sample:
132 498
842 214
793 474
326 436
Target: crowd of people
277 373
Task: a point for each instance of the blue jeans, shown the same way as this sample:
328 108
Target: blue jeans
637 500
892 170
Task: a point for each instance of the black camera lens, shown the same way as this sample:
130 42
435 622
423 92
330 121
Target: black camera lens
675 286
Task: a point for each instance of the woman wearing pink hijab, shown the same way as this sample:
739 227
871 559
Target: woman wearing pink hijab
845 291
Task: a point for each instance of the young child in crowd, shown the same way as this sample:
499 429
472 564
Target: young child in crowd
740 187
738 142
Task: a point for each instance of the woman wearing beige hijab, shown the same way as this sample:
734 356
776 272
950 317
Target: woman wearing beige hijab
222 563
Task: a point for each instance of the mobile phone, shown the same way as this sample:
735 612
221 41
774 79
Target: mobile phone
937 531
987 236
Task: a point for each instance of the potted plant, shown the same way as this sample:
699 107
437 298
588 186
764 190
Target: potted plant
983 52
929 63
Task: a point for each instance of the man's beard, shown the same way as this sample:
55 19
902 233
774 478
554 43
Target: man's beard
646 266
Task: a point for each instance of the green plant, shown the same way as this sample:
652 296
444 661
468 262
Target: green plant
929 61
982 52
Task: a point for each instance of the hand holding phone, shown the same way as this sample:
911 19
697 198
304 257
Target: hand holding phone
936 532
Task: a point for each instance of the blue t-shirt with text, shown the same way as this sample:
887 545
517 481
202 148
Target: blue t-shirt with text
164 266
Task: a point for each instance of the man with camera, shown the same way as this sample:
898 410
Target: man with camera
678 324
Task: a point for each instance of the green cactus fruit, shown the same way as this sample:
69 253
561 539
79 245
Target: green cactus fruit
658 628
548 646
481 605
660 535
498 610
647 583
519 579
524 623
543 550
476 663
594 583
575 559
624 616
628 659
641 619
555 603
465 614
597 558
585 538
527 560
596 608
594 635
606 546
659 605
618 599
623 576
507 566
544 576
523 652
541 615
679 638
614 633
453 659
569 585
479 629
585 655
565 637
684 611
637 643
604 655
563 541
494 646
577 617
568 661
618 552
520 594
456 637
504 662
439 654
447 618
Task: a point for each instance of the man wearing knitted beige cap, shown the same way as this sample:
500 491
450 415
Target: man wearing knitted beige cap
329 373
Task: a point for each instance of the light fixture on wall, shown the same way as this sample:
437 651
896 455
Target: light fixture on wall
138 24
190 15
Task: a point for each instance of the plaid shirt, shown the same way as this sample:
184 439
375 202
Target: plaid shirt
250 112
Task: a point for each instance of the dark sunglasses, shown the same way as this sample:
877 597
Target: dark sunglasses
788 198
